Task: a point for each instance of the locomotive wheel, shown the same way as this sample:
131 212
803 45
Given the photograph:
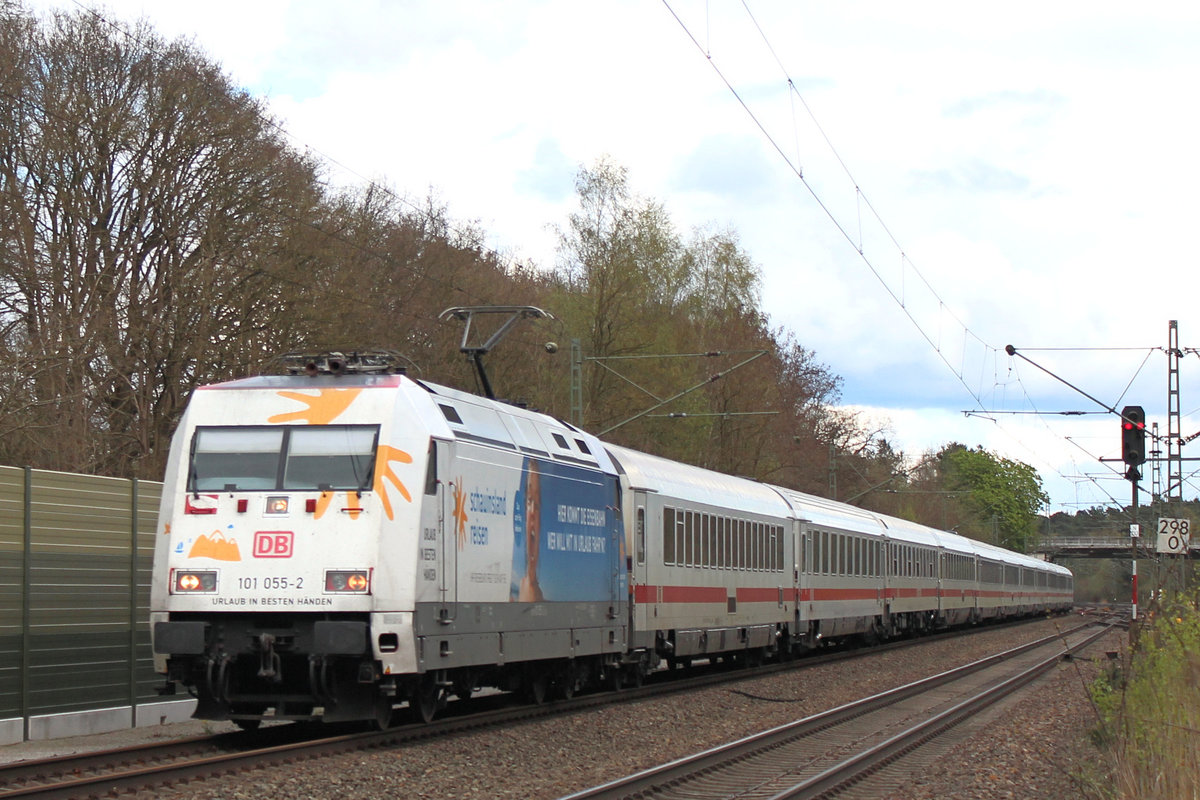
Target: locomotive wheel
383 713
248 724
426 700
568 677
537 687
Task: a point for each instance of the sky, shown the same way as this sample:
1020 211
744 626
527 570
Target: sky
921 184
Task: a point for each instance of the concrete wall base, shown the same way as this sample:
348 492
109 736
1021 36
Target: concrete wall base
102 720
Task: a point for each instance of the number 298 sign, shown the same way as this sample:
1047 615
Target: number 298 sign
1173 535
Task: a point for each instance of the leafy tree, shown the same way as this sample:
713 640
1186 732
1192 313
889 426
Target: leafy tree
1004 495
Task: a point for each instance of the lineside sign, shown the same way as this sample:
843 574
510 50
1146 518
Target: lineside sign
1173 535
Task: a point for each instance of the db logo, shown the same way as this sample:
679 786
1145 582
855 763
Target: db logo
273 544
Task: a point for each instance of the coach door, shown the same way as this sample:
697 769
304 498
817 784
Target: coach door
637 560
802 537
449 493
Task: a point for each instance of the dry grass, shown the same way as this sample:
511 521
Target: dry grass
1150 705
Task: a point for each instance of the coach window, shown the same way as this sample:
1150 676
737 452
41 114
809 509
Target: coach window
668 535
641 534
689 530
756 546
747 544
751 545
680 537
712 540
760 545
764 544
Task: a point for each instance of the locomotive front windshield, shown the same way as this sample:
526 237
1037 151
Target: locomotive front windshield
276 458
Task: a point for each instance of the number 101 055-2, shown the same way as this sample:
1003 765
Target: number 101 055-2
270 583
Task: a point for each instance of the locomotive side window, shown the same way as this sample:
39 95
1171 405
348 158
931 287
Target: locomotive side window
431 474
261 458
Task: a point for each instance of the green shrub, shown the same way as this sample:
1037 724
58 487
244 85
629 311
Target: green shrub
1151 713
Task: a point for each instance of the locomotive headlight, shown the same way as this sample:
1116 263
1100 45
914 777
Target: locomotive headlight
194 582
355 581
277 504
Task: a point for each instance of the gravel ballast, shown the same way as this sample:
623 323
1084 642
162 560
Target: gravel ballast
1037 747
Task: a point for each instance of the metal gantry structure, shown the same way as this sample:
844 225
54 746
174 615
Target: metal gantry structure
1174 437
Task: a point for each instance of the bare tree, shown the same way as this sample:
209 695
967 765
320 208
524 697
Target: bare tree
148 216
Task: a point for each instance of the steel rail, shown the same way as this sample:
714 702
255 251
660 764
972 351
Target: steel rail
855 768
656 779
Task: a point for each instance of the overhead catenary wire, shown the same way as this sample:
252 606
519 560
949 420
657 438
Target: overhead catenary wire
899 296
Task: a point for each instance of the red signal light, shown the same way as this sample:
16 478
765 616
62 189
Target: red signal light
1133 435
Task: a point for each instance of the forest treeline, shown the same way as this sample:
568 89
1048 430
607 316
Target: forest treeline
158 232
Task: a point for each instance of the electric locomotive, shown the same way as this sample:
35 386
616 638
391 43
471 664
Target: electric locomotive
341 539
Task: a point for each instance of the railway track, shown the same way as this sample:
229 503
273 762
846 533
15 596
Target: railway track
838 751
137 768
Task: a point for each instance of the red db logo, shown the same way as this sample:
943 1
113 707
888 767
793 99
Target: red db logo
273 544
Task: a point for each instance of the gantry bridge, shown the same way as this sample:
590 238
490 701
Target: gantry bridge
1054 548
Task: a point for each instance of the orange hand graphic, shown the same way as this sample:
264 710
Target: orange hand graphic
323 408
352 505
383 471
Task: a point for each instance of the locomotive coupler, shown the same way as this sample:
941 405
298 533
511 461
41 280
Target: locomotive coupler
268 660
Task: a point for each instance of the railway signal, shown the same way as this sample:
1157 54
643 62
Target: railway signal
1133 435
